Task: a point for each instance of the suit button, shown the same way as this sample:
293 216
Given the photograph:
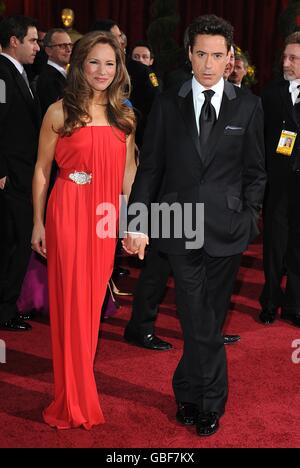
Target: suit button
202 182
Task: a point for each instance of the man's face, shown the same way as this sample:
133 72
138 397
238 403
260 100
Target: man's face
239 72
60 49
230 67
26 51
143 55
117 33
291 62
209 58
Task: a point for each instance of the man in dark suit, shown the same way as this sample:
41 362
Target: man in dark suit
52 80
19 130
205 143
145 85
281 209
152 284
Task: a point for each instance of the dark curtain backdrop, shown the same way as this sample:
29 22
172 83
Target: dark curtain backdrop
255 21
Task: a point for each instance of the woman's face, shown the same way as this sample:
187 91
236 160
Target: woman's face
100 67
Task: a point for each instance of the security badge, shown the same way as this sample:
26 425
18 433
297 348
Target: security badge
286 143
154 80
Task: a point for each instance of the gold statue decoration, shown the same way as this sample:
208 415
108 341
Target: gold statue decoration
68 19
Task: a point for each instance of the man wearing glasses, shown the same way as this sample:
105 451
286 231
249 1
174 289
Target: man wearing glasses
51 82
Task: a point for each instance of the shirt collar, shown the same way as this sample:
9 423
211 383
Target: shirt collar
198 88
62 70
294 85
17 64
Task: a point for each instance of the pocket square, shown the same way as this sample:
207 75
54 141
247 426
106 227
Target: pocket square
229 127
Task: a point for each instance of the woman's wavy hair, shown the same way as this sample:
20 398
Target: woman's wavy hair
78 92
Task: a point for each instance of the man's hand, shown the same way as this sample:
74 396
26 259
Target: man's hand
2 183
135 244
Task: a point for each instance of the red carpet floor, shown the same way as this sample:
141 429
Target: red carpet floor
135 384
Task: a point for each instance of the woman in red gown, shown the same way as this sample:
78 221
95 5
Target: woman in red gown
91 136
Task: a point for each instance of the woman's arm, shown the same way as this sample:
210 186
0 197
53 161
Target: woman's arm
130 168
47 144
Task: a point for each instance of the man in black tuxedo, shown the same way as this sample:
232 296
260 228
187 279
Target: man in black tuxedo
151 288
19 130
281 209
52 80
204 142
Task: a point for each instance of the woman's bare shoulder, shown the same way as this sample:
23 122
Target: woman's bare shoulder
55 115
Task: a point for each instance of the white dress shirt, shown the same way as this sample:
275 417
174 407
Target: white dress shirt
294 90
61 70
199 97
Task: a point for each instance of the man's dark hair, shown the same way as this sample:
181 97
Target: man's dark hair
143 44
15 26
210 25
104 25
48 38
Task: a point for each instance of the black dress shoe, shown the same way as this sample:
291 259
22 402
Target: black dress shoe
27 316
268 315
120 272
15 324
231 339
207 424
187 414
290 317
149 341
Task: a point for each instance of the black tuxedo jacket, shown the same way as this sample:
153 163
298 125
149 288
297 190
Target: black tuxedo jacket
228 177
19 130
50 87
279 115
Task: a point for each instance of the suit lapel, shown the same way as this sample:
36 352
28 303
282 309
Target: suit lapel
186 105
22 86
229 96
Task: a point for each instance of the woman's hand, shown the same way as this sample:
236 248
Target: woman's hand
38 240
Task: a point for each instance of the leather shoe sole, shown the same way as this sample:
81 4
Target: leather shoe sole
231 339
207 424
149 341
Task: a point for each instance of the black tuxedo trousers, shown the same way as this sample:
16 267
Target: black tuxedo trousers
221 273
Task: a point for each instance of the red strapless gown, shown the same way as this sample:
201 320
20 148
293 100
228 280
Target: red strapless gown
80 265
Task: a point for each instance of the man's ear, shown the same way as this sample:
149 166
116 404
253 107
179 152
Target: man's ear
14 42
190 53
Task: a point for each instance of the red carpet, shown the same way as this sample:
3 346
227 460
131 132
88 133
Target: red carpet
135 384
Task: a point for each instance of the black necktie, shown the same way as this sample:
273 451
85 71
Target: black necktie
208 118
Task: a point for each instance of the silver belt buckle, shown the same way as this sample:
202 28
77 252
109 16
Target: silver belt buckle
81 178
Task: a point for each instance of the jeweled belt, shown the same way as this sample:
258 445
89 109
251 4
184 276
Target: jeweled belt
78 177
